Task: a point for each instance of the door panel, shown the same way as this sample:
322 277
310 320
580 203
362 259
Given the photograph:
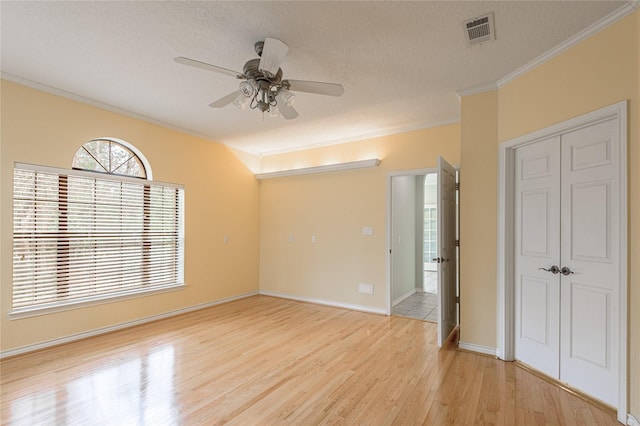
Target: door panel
590 227
536 222
590 197
533 303
537 239
448 269
589 331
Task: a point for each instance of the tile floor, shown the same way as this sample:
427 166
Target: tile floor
421 305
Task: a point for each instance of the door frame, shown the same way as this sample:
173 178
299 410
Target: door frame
389 210
505 348
389 224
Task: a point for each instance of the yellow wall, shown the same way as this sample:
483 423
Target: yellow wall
335 207
221 197
478 219
598 72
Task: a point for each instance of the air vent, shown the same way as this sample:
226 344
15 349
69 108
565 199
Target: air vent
479 30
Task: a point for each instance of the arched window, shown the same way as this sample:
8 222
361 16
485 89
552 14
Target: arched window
101 231
109 156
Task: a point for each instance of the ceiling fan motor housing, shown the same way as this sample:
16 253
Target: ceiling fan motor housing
252 72
266 85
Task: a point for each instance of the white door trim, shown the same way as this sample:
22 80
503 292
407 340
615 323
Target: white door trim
505 348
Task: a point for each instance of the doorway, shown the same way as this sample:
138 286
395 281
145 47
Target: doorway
422 246
562 286
414 237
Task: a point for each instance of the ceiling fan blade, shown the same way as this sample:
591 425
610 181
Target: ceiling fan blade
224 101
208 67
273 53
287 111
329 89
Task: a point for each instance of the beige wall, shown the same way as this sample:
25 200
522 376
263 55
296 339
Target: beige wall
221 197
598 72
335 207
44 129
478 219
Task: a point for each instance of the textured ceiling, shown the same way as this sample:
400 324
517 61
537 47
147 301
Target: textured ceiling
401 63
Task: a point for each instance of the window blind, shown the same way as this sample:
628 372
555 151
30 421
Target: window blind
81 236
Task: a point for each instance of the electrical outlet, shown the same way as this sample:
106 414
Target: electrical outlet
365 288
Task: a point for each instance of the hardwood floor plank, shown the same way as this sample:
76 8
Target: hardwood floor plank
264 360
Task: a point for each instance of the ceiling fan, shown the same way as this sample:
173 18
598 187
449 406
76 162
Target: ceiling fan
262 86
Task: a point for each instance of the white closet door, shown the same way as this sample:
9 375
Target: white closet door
537 239
567 201
590 249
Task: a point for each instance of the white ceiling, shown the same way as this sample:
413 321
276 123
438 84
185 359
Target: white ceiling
401 63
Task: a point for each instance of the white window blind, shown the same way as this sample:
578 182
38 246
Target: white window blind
80 237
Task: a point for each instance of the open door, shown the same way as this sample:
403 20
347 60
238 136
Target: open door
446 260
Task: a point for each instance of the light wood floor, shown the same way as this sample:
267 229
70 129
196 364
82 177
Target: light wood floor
264 360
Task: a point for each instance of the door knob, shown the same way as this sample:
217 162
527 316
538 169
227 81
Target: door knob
566 271
554 269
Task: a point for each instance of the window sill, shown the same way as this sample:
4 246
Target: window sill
83 303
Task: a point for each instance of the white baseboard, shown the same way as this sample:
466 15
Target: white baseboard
331 303
96 332
632 421
472 347
404 296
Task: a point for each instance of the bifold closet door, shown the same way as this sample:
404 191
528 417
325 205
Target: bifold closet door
567 259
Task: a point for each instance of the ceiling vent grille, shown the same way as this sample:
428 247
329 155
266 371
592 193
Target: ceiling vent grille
479 30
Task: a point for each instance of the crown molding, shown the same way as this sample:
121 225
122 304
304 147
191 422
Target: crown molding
71 96
592 29
91 102
477 90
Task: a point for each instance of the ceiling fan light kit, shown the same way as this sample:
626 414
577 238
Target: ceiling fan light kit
262 87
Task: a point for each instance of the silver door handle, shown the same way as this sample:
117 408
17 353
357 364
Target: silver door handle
566 271
554 269
439 260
